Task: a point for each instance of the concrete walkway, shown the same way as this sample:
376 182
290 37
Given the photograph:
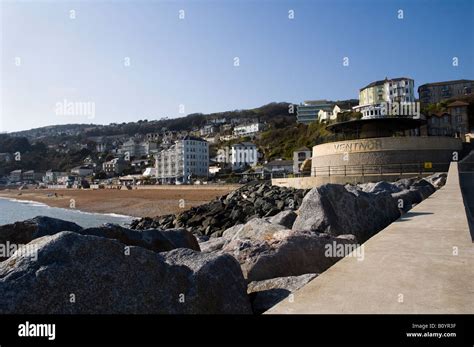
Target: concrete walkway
422 263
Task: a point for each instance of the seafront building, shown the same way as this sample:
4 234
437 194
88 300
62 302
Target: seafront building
299 156
374 97
279 166
243 154
431 93
185 159
114 166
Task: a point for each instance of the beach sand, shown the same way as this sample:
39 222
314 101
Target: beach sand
151 202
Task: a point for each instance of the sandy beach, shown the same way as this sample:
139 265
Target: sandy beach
138 203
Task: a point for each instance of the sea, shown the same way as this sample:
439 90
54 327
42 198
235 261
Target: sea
12 210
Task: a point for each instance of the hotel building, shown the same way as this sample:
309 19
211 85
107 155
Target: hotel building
387 91
186 158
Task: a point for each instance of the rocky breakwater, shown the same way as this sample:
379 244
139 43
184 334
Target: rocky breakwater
111 269
246 203
279 254
279 241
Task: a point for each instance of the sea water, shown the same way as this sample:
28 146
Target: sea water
12 210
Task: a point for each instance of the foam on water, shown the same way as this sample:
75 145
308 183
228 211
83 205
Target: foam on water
14 210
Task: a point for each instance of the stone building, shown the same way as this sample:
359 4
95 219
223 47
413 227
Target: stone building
431 93
452 122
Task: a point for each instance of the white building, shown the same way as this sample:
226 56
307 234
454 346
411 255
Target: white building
243 154
376 99
82 171
325 115
299 156
185 159
207 130
135 149
248 129
150 172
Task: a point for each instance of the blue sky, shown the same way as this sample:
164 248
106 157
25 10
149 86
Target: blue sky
190 61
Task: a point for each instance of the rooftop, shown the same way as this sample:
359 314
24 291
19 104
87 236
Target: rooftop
280 162
194 138
248 144
444 83
458 103
380 82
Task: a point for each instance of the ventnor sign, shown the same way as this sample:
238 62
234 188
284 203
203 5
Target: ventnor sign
366 145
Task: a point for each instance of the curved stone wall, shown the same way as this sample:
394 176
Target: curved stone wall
386 150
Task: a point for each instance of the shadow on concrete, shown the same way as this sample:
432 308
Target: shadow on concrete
409 215
467 187
466 181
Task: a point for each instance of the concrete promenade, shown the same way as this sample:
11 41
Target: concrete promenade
421 263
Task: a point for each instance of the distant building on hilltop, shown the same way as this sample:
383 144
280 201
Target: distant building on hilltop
137 149
388 91
248 129
308 111
431 93
208 129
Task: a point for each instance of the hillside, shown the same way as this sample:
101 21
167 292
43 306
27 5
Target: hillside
63 147
273 113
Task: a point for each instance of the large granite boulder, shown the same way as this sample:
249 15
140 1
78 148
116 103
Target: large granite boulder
260 229
230 232
424 187
405 183
298 253
267 293
407 198
20 233
255 200
78 274
379 187
285 218
152 239
213 244
335 210
437 180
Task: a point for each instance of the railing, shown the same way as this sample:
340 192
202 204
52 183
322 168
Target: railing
383 169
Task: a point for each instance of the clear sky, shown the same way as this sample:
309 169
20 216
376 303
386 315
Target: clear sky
48 57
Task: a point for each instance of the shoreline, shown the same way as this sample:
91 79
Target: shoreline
38 203
136 203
